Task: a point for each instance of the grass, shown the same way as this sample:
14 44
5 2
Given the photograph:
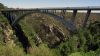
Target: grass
6 50
42 50
83 54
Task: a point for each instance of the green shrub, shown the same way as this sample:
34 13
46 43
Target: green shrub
11 51
42 50
65 49
91 53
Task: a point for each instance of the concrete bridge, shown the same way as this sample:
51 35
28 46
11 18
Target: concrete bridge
15 15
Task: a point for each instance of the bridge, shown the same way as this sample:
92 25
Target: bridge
15 15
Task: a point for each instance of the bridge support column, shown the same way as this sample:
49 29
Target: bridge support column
47 11
54 11
86 18
74 15
8 15
44 11
12 16
63 13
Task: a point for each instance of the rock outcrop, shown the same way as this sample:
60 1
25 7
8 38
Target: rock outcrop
7 34
51 34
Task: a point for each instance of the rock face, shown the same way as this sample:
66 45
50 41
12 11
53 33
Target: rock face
51 34
7 34
46 28
38 40
58 33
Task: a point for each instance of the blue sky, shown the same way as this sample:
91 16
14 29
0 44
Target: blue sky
49 3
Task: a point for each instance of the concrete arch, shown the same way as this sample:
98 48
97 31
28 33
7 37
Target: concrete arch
46 13
67 23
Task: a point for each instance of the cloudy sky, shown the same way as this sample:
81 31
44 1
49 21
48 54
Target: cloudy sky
49 3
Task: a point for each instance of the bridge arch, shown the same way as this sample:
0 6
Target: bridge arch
59 18
68 24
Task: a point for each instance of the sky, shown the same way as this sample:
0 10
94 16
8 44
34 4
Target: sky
49 3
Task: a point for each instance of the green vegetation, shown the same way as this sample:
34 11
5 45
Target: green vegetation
2 6
84 43
83 54
6 50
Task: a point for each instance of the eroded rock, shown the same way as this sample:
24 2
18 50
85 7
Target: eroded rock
7 34
45 27
53 35
58 33
38 40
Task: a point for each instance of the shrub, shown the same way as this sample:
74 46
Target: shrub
91 53
11 51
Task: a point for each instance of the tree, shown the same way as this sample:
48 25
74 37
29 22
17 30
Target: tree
2 6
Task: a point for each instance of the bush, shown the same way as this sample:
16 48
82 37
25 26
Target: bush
65 49
91 53
42 50
11 51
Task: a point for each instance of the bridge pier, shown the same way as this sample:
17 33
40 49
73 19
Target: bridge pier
46 11
86 18
63 13
54 11
8 15
74 15
12 15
